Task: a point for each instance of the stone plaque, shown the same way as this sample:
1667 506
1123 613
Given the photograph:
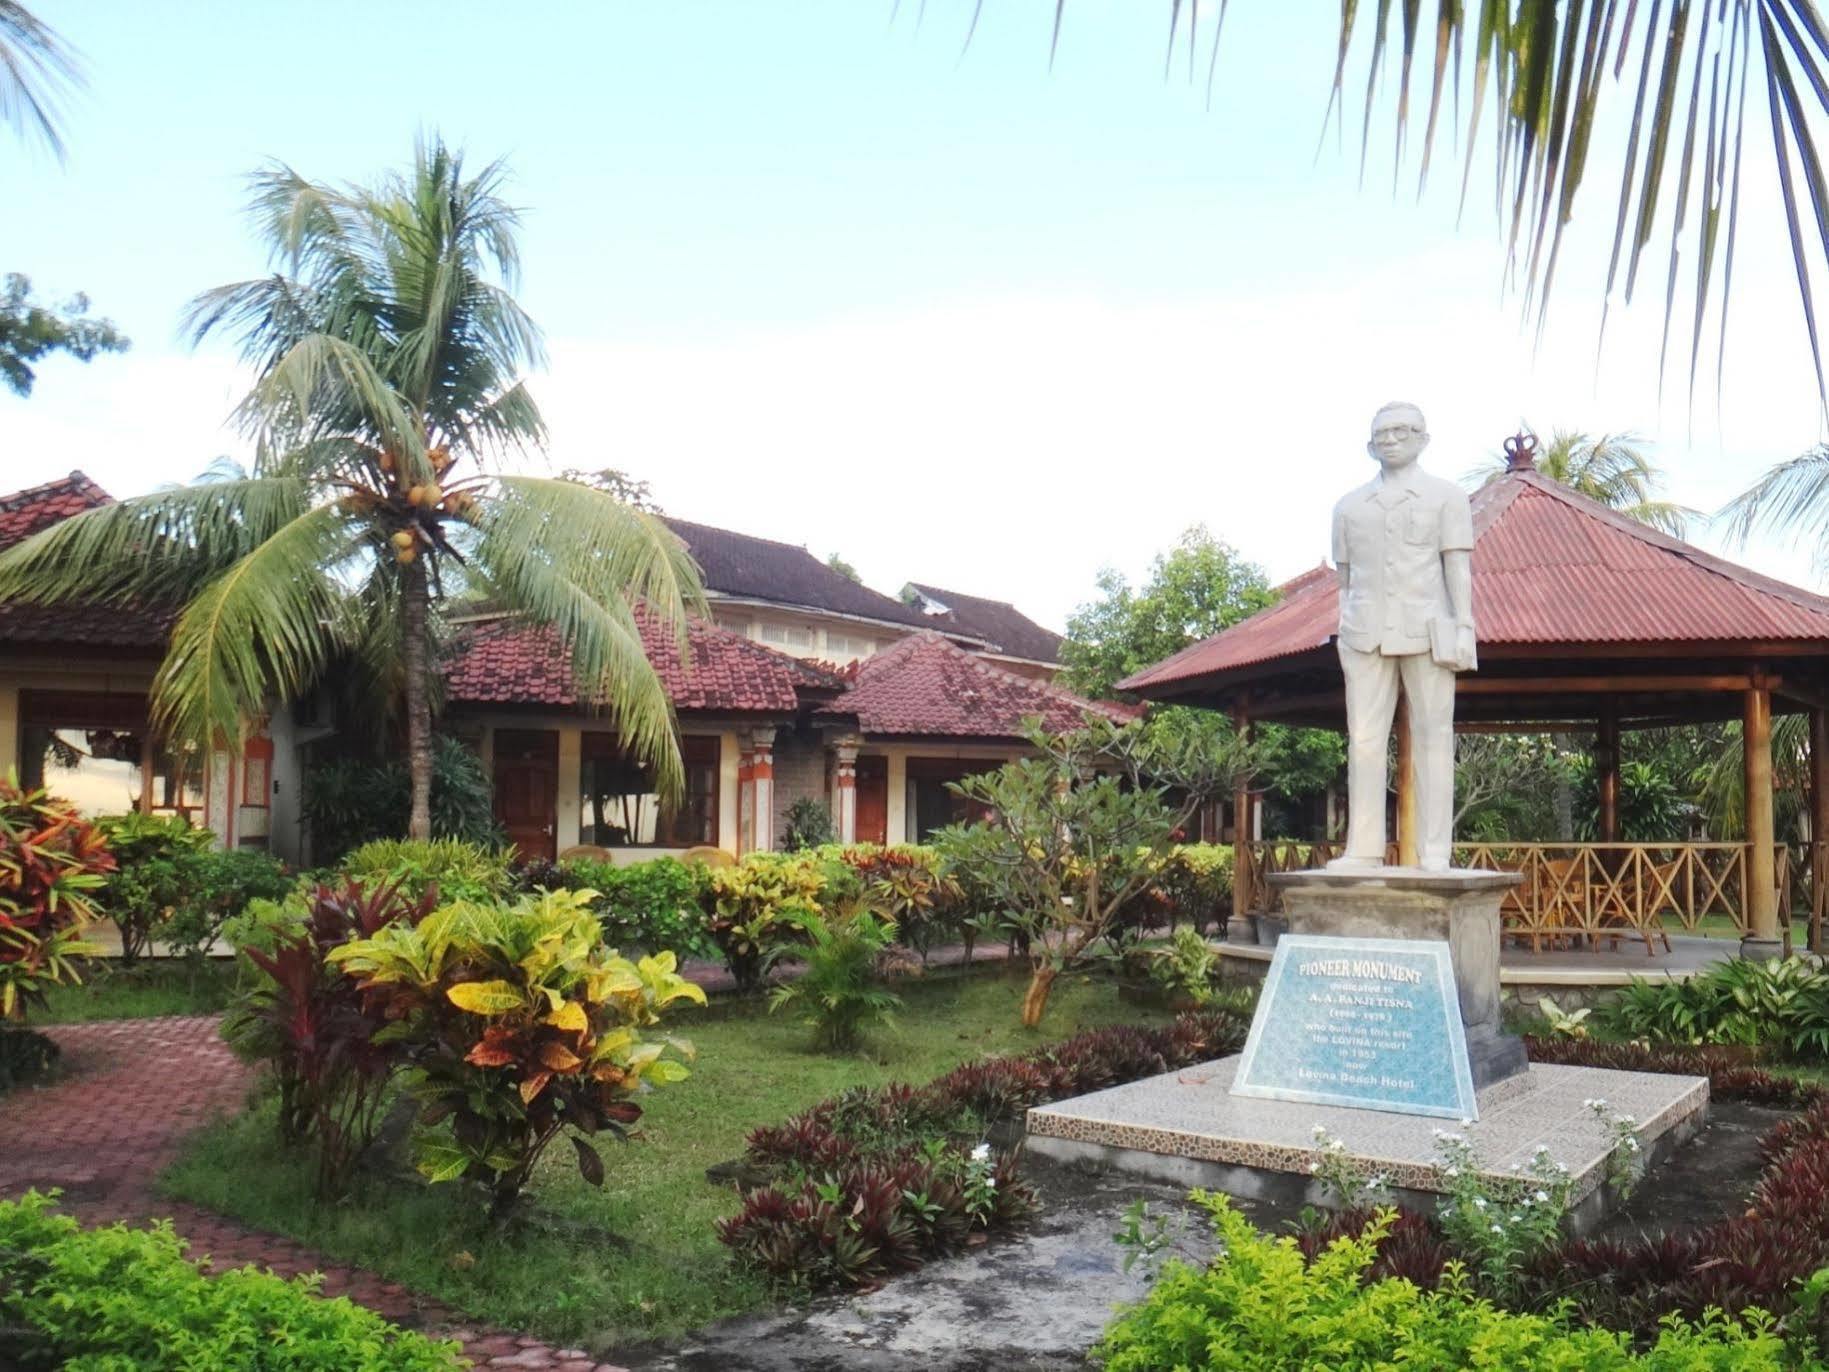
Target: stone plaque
1372 1023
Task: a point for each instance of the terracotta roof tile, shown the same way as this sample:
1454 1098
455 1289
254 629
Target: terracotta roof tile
24 513
505 662
1550 568
926 686
1004 628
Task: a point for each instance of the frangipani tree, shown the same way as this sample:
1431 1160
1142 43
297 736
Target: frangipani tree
389 354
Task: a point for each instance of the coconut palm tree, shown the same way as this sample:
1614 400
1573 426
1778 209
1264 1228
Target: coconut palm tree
388 351
1565 77
35 69
1612 470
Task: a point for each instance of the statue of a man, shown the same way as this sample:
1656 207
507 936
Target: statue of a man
1403 543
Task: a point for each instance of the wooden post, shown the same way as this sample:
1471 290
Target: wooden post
1241 825
1761 939
1819 823
1409 852
1606 771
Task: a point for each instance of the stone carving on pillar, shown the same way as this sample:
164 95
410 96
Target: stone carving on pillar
1403 544
846 788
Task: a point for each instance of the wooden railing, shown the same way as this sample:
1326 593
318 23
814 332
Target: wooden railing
1598 890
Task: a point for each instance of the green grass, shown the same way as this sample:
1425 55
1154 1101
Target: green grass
648 1263
157 986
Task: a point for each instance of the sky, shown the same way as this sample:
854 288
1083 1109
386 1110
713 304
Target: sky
819 272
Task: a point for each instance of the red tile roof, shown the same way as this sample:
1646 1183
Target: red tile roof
1004 628
1551 568
506 662
926 686
24 513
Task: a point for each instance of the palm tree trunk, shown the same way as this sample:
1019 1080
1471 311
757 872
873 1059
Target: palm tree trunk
415 599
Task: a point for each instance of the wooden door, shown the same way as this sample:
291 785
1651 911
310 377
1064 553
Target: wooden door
527 790
873 800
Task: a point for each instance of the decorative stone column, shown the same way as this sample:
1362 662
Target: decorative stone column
746 796
846 788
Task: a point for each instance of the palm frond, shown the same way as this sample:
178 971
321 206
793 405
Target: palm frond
1790 499
156 548
37 69
261 630
580 561
1665 81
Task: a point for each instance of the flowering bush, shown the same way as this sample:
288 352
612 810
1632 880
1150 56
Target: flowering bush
51 861
1499 1226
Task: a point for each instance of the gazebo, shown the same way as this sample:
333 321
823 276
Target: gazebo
1588 622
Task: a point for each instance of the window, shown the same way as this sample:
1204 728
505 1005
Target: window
93 749
786 635
617 806
846 647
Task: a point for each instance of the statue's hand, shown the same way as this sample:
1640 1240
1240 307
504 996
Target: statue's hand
1466 655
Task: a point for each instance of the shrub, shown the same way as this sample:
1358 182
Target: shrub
834 988
120 1298
157 858
809 825
519 1025
320 1034
655 906
754 908
1260 1304
904 882
835 1159
51 859
223 885
457 868
26 1056
351 802
1186 967
1196 884
1782 1003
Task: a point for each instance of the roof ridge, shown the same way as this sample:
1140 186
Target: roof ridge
942 592
738 533
993 671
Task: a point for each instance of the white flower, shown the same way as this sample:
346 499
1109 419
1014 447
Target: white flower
990 1183
1451 1171
981 1153
1498 1229
1320 1131
1314 1167
1632 1145
1544 1197
1480 1201
1627 1121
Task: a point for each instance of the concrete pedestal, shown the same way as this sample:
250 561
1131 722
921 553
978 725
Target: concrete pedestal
1460 908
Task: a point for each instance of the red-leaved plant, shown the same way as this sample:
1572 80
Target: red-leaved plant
316 1028
51 859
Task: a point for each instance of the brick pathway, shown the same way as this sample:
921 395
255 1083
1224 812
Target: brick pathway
130 1091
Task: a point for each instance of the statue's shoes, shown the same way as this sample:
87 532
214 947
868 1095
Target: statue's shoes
1355 864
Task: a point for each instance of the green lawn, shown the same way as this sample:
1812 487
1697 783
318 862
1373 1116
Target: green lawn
639 1258
157 986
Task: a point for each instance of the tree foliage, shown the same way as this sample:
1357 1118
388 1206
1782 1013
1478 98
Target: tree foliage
1075 834
37 70
1612 470
31 330
389 352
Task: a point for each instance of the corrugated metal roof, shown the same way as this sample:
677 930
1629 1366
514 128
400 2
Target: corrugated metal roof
1550 568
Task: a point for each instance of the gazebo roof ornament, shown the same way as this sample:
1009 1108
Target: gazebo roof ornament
1521 451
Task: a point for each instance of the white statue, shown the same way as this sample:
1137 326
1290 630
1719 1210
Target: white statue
1403 543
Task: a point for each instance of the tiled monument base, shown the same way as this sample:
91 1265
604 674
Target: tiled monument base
1187 1127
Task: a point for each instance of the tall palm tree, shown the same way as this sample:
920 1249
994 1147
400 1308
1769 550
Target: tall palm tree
1553 70
35 69
1612 470
388 350
1790 501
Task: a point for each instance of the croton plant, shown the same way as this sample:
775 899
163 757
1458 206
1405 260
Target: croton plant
51 859
519 1025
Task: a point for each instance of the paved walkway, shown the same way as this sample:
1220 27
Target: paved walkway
130 1091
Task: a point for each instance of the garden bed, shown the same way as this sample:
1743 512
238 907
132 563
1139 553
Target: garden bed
669 1274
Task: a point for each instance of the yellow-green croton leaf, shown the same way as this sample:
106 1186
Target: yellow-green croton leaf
486 997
